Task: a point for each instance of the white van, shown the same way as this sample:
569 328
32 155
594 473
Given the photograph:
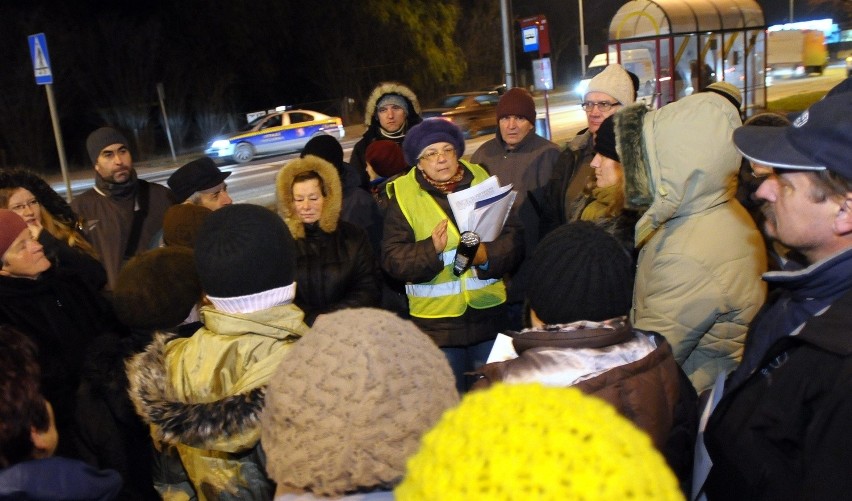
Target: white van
636 61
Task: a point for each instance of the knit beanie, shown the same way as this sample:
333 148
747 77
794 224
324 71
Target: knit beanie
327 148
100 139
351 401
580 272
393 99
527 441
385 157
11 227
244 249
605 139
157 289
182 223
429 132
518 102
727 90
199 175
615 82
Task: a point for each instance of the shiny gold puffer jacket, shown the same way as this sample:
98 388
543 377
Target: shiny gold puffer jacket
202 398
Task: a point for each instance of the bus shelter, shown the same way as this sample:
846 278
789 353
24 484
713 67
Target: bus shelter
692 43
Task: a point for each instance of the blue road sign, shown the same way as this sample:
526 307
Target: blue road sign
41 60
530 38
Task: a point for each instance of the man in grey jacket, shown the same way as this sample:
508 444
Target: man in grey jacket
519 156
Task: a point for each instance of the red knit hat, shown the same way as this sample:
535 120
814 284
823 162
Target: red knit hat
11 226
385 157
518 102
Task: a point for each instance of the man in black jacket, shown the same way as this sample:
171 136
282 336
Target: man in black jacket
781 430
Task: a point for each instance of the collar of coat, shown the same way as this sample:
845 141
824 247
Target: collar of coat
186 422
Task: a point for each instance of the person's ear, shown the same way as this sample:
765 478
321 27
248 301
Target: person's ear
45 441
535 321
843 219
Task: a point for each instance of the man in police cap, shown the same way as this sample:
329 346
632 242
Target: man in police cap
781 430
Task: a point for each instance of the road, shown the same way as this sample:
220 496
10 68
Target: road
254 182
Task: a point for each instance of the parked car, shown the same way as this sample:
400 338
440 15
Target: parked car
276 132
498 88
474 112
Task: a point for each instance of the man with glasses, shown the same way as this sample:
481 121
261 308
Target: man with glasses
520 157
781 430
607 92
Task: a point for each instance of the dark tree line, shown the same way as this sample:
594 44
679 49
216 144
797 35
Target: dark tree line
218 60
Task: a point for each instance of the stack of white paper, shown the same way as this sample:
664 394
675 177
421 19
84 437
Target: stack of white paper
483 208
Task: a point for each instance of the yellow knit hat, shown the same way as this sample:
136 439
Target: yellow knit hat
535 442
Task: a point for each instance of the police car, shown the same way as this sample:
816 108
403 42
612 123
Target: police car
275 131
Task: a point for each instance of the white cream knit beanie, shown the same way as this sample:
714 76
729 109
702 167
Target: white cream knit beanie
614 81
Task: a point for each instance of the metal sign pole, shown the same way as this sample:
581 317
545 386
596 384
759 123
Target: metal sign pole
162 95
57 134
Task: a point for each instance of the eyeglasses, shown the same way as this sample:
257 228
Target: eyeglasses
22 207
430 156
602 105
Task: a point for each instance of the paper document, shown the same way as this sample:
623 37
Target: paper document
483 208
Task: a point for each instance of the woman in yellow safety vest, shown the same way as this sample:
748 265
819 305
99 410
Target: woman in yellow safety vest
464 313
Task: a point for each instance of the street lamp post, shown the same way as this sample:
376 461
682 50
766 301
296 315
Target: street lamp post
583 41
791 11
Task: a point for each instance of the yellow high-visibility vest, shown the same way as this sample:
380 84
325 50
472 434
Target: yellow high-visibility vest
446 295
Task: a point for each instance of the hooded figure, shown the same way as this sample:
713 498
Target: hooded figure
335 264
700 254
391 93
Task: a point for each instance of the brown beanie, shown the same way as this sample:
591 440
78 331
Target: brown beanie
518 102
11 227
350 402
182 222
157 289
385 157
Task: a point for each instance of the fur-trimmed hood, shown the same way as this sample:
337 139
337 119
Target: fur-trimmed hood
177 421
678 160
399 89
284 194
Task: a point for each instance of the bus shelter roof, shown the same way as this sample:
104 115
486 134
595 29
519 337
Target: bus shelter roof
652 18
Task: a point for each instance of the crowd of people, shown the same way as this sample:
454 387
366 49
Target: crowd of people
616 334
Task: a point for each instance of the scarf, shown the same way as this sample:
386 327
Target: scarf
604 204
117 191
448 186
394 135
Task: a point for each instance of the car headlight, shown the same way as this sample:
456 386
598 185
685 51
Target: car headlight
220 144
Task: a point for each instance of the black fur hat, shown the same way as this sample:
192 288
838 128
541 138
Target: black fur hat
244 249
157 289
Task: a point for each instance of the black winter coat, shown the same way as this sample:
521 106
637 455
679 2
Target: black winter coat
62 315
335 270
785 432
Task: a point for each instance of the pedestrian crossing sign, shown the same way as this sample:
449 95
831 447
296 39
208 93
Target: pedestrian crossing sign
40 58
